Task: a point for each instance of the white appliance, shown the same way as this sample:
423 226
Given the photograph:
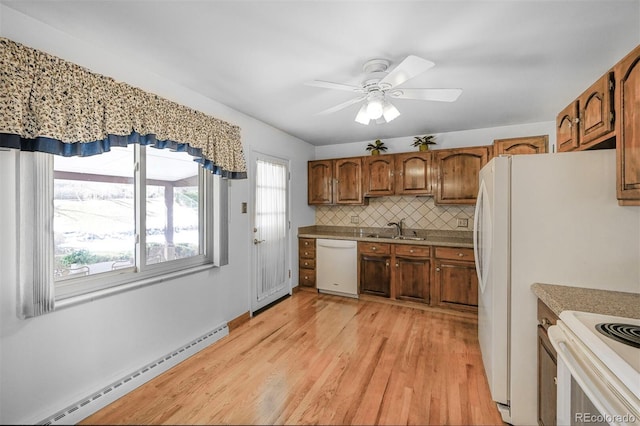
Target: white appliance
546 218
598 368
337 267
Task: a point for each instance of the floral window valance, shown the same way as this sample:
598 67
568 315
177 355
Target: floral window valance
51 105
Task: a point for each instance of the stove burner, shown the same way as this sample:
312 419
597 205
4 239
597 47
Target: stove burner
628 334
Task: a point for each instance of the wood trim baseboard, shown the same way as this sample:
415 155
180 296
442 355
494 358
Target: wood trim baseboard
238 321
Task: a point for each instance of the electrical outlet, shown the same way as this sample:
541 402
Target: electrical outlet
463 223
355 219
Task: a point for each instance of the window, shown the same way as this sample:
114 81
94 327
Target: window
101 204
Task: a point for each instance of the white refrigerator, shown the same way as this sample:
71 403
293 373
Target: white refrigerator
547 218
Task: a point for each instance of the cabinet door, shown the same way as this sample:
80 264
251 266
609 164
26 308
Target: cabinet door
375 275
457 171
348 174
412 279
628 128
547 391
457 284
519 146
413 173
596 115
567 128
378 175
320 182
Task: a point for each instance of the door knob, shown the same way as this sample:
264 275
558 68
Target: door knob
256 241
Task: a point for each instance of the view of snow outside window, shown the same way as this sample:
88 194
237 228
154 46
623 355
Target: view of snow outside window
95 211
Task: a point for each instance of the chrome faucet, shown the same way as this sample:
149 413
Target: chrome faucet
398 226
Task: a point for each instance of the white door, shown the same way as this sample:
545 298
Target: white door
271 276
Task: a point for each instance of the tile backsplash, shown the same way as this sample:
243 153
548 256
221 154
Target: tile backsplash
417 212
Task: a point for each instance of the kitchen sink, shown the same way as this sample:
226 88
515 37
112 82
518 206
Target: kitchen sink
396 237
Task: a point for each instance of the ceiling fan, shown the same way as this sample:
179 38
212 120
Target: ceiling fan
379 84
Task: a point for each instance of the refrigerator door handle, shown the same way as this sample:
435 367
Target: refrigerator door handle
482 248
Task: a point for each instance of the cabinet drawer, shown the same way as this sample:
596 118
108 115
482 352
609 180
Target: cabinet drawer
374 248
455 253
307 253
307 277
307 263
408 250
306 243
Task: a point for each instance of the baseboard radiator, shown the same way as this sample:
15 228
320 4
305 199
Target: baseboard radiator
87 406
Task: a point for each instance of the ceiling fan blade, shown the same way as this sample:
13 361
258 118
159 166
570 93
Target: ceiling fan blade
442 95
410 67
342 105
337 86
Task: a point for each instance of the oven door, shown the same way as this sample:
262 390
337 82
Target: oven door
586 394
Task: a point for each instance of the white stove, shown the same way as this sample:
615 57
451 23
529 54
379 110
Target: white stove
598 368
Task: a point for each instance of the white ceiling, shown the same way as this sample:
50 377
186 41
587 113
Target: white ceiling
516 61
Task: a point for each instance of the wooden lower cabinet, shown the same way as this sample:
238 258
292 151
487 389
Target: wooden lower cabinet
395 271
307 262
412 273
455 279
375 275
547 368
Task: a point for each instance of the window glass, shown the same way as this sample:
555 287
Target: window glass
94 213
173 206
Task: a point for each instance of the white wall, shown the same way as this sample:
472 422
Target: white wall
459 139
49 362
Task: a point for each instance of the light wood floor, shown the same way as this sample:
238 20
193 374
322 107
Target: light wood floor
319 359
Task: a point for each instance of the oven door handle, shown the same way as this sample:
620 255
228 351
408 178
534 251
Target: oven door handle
572 364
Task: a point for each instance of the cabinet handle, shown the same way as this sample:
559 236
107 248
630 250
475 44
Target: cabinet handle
437 269
555 381
411 251
306 264
306 243
460 254
306 253
397 265
387 264
373 248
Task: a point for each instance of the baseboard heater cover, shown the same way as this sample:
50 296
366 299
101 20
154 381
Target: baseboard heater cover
87 406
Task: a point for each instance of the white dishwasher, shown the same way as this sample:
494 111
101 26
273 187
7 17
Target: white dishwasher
337 267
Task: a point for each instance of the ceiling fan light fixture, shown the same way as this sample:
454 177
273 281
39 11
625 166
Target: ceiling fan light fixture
363 117
374 108
390 112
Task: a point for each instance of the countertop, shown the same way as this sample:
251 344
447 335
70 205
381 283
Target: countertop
563 298
431 237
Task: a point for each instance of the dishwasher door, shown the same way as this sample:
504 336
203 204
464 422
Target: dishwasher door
337 267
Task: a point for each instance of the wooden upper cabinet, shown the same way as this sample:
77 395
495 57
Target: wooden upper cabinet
567 128
413 173
589 120
457 174
336 181
596 110
628 128
320 182
518 146
348 186
379 175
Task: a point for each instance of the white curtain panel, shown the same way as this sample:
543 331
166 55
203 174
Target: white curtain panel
35 283
271 224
